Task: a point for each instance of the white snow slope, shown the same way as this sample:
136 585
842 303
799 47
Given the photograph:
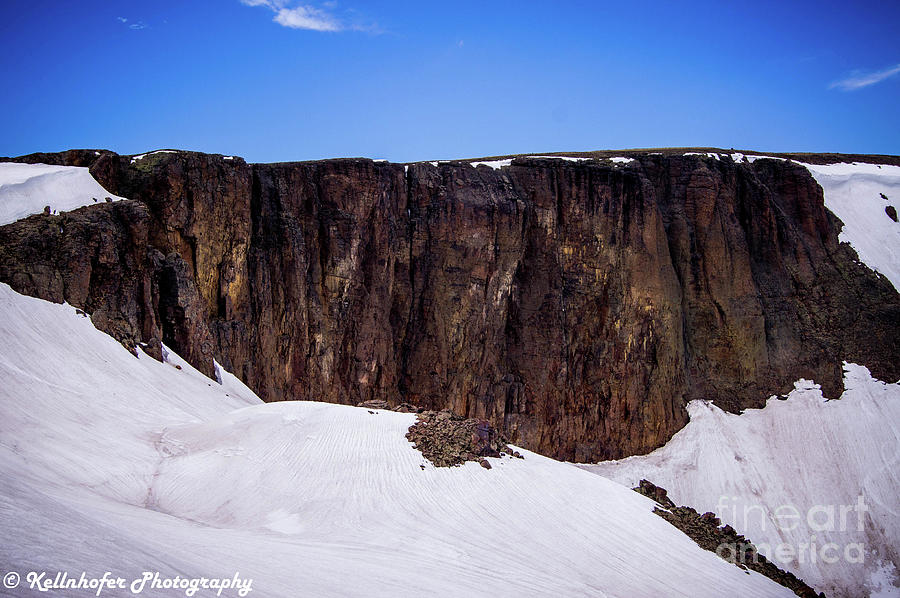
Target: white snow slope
853 194
807 456
123 464
26 189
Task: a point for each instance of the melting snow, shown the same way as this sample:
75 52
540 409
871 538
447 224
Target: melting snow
26 188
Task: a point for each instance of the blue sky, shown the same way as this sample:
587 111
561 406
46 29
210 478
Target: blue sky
276 80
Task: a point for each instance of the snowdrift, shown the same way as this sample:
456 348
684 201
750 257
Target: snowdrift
27 189
786 473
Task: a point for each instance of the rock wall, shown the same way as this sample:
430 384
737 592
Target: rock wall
575 305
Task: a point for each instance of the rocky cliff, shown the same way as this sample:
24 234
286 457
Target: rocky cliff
576 305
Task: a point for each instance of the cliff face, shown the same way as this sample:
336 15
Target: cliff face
575 305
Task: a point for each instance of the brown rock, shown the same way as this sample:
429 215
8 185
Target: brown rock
448 440
704 530
657 493
374 404
575 306
98 259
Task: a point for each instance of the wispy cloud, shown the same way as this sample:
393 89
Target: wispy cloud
859 79
301 16
136 25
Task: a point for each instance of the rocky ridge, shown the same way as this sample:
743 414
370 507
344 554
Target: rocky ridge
576 306
709 533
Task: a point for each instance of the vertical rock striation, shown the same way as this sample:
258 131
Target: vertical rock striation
577 306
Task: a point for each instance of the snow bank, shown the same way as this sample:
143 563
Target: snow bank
566 158
735 156
805 454
118 463
26 189
853 193
615 159
495 164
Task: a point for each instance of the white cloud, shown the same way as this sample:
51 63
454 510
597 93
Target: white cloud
307 17
859 80
299 17
137 25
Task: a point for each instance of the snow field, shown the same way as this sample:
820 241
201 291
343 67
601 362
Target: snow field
119 463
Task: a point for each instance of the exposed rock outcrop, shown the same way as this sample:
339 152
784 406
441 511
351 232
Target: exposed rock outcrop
574 305
100 259
709 533
448 440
